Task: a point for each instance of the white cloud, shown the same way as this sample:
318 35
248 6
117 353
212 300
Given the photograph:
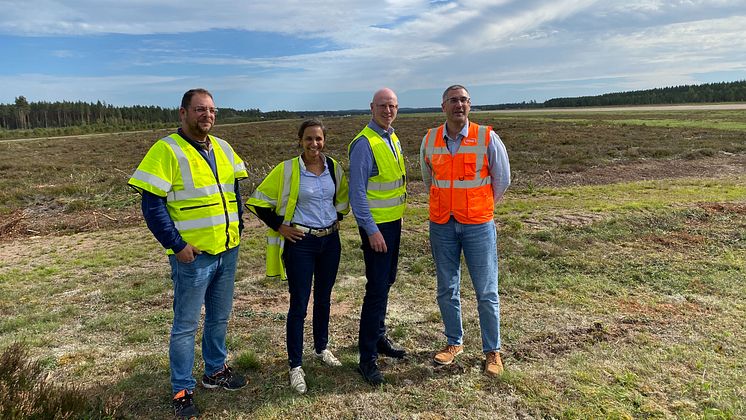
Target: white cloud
406 44
41 87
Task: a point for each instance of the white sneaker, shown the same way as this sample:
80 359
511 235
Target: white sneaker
326 357
297 380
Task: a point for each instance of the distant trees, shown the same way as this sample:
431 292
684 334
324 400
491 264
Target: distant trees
47 115
709 92
22 112
80 117
25 115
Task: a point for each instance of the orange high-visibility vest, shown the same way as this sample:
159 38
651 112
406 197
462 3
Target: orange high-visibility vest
461 184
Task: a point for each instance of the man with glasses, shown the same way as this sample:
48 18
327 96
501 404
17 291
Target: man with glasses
378 194
191 204
466 170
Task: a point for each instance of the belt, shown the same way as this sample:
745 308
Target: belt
318 232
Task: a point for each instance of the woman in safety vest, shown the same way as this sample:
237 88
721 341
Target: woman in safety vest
302 200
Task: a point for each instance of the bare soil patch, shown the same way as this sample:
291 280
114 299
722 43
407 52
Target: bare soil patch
719 166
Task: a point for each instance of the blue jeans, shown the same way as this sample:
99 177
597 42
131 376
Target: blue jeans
209 280
479 244
380 271
316 259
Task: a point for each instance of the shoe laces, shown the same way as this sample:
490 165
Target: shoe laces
328 357
493 357
451 349
183 397
226 373
297 375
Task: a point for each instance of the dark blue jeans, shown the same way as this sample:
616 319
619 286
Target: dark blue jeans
316 258
380 271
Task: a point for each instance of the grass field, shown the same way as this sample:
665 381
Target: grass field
622 277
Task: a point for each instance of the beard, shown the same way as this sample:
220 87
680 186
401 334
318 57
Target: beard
197 128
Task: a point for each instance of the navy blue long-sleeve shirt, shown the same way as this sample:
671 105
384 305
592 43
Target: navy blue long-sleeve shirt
156 214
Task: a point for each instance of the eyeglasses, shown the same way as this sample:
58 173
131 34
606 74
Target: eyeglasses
204 109
458 99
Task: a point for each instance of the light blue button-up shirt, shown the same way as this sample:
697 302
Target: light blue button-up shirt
315 207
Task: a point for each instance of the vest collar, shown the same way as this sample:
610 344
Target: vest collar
378 129
196 144
463 133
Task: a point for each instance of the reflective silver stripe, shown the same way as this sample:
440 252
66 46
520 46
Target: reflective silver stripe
228 188
226 148
442 183
152 180
385 186
474 183
192 193
263 197
338 174
287 177
340 206
240 167
274 240
217 220
431 136
481 133
482 144
184 168
392 202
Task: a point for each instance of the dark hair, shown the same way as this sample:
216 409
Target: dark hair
313 122
187 98
453 87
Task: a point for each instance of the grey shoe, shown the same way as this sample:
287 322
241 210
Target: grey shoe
326 357
297 380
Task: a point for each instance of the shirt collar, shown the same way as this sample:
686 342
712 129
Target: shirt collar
197 145
303 164
463 133
378 129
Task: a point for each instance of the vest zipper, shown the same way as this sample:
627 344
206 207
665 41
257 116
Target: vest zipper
225 208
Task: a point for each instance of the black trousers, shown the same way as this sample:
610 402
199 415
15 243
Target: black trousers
380 272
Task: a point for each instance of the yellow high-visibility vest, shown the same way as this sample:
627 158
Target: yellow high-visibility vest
279 192
204 209
387 191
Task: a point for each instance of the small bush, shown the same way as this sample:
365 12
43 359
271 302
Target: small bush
699 153
247 360
26 393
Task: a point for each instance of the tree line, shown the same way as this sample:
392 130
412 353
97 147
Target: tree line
46 118
705 93
25 115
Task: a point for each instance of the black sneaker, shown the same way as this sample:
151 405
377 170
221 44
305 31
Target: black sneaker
225 378
371 373
387 348
183 405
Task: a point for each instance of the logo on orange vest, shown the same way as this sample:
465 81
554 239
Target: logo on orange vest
470 142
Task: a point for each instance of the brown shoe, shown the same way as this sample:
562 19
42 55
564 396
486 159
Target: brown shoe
446 356
493 366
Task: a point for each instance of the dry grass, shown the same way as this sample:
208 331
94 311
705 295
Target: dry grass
621 275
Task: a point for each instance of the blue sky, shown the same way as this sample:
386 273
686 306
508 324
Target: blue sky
333 54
